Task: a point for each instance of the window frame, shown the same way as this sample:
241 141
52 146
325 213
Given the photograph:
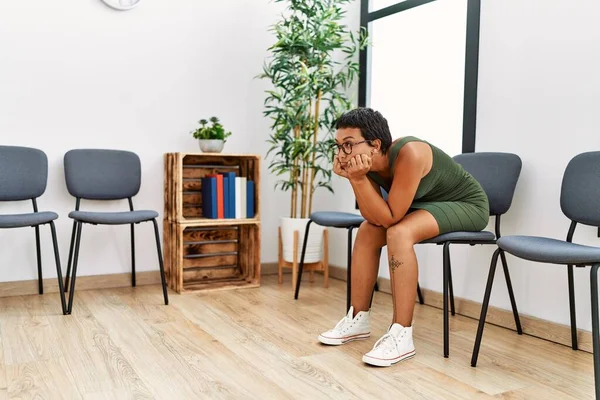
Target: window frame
471 61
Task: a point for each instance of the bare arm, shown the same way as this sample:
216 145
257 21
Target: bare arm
364 211
410 164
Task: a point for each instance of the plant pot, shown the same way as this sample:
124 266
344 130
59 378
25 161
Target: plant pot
314 245
211 145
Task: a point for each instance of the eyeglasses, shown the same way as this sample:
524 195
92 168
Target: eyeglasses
346 147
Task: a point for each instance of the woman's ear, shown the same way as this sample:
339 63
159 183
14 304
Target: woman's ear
376 144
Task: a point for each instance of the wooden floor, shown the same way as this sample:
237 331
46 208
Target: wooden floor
260 343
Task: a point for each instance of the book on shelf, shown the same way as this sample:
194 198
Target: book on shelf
209 197
226 195
250 199
220 204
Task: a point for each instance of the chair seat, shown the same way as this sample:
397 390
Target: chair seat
29 219
336 219
548 250
113 218
481 236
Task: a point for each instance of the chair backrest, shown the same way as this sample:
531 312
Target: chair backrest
384 193
98 174
497 173
23 173
580 191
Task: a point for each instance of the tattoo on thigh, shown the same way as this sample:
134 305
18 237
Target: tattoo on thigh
395 263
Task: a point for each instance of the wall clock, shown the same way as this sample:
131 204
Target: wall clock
122 5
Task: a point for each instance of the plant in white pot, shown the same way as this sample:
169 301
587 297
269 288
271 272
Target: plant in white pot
314 62
211 138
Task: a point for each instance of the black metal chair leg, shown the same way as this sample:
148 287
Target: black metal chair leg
595 327
70 260
74 276
572 308
160 262
39 260
133 255
445 301
484 307
511 294
349 271
419 294
61 290
450 287
301 266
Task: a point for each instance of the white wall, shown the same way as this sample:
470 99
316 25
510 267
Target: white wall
78 74
539 90
538 97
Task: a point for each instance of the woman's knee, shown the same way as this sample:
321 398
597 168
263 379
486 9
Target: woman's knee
400 235
370 234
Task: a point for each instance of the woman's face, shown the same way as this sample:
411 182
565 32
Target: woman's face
350 140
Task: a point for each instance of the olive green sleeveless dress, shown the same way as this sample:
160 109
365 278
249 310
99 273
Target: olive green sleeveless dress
454 198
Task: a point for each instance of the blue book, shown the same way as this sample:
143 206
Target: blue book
232 193
209 197
226 210
249 199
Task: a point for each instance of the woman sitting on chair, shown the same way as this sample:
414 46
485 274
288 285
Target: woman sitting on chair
428 194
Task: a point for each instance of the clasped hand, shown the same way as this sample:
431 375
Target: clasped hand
355 168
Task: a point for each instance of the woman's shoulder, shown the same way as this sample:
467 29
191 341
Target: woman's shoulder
409 140
411 150
409 145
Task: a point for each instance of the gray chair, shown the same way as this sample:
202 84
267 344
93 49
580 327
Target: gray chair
580 202
498 174
332 219
24 176
96 174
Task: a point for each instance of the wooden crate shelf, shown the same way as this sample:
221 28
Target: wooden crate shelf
183 188
205 254
200 257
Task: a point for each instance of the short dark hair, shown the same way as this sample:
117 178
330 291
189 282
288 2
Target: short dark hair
371 123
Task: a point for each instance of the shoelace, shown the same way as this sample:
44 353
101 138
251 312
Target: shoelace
342 324
386 338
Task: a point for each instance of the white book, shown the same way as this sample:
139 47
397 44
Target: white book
244 199
238 197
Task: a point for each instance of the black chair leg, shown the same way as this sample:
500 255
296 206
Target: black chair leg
419 294
445 301
595 327
572 308
377 286
511 294
160 262
484 307
450 287
74 276
39 260
70 260
133 255
61 290
349 271
301 266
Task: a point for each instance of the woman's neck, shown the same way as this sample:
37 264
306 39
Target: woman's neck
380 164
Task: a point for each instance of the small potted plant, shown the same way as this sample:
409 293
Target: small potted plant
211 138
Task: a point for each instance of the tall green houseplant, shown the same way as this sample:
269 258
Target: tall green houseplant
313 65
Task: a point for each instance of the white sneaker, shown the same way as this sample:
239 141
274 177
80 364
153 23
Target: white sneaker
396 345
348 329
